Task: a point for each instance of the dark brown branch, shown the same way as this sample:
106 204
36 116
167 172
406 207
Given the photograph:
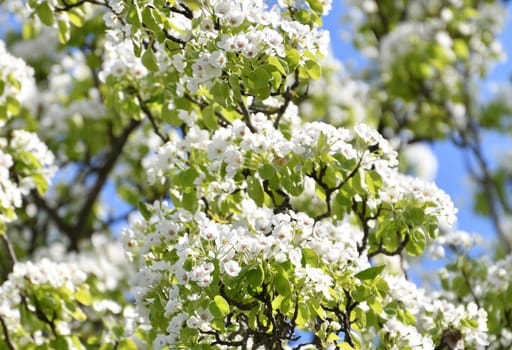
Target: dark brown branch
344 316
238 304
361 215
85 211
42 316
219 341
67 6
287 98
185 11
329 191
203 104
174 39
7 338
9 248
278 208
381 250
52 214
246 117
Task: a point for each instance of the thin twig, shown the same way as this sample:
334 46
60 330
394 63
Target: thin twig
149 115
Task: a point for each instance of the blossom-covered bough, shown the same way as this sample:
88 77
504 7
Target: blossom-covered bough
257 225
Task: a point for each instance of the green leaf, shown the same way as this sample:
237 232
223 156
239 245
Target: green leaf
149 20
376 306
209 118
277 63
293 182
40 182
415 216
77 343
276 303
345 346
189 199
79 315
293 58
417 243
220 93
317 308
149 60
357 181
83 296
286 305
219 307
127 344
373 181
255 277
303 314
156 314
75 18
63 31
316 5
59 343
134 16
266 171
13 105
461 48
145 210
309 257
255 190
45 13
361 293
313 69
259 78
234 83
28 32
332 337
303 16
369 273
186 178
282 285
13 81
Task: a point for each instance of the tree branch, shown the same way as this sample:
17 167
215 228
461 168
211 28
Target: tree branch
7 338
9 248
85 211
149 115
381 250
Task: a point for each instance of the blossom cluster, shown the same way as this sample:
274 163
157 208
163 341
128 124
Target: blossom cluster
488 283
45 290
230 216
432 48
430 310
66 293
198 254
17 84
25 156
25 161
218 37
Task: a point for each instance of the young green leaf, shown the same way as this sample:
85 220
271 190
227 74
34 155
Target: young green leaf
369 273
